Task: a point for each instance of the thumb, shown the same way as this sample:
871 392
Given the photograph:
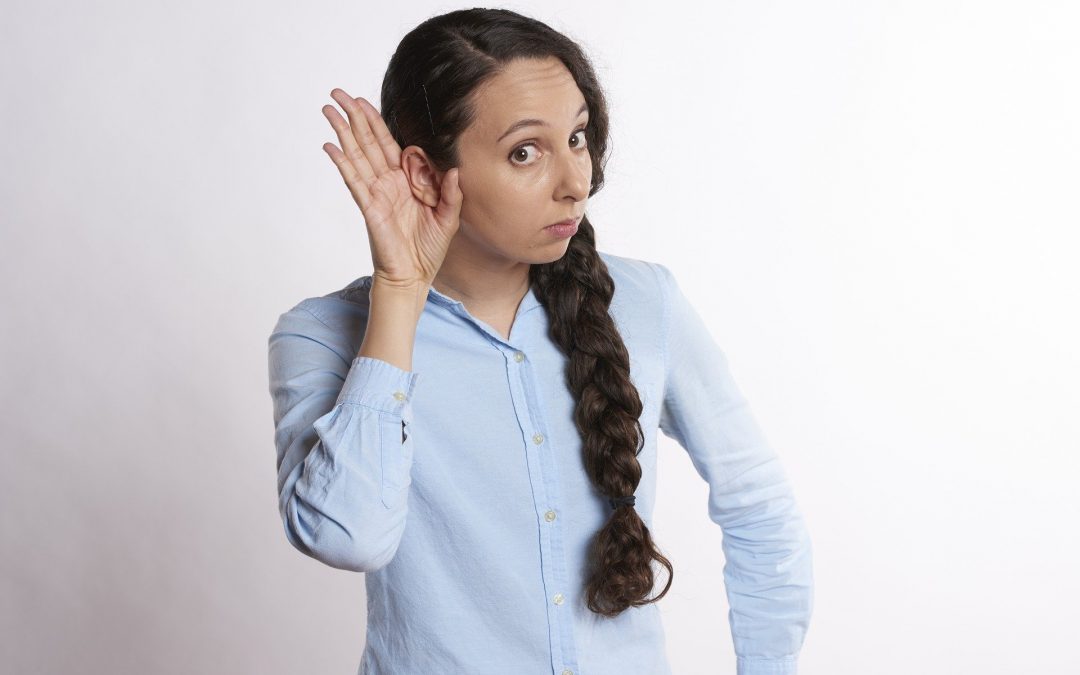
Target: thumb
450 197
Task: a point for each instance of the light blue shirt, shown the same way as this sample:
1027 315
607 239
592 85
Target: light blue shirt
460 490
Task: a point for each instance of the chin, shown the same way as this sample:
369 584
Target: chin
548 254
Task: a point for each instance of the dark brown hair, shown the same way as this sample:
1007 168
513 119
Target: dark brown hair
426 100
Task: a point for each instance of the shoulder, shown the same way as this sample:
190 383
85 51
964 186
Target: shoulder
637 280
336 319
641 299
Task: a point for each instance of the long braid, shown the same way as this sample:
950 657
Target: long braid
576 290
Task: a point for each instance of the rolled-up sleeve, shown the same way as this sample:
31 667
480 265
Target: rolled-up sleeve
768 572
344 451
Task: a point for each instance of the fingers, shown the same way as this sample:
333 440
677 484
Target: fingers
362 132
357 185
368 149
391 150
349 146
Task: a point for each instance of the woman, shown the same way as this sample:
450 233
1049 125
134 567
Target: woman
472 424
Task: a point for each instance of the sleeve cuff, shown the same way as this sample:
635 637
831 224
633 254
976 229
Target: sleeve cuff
379 385
787 666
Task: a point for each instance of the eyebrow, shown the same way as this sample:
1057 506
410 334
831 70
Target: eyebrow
531 122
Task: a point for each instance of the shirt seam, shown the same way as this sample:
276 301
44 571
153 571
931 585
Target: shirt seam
317 317
304 308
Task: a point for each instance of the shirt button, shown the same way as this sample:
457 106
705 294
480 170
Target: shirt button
538 438
558 598
519 357
399 395
549 516
567 671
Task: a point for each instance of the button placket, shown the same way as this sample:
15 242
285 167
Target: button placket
543 477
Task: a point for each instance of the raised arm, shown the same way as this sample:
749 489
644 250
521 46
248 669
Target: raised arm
343 449
344 453
768 573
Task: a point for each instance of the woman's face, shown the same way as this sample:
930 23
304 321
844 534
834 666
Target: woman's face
516 182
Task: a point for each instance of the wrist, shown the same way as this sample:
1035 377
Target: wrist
399 295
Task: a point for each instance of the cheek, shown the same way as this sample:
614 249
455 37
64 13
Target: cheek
481 197
505 201
586 165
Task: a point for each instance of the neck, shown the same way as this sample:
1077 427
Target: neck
485 288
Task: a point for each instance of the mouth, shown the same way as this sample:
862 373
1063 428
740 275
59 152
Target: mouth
567 222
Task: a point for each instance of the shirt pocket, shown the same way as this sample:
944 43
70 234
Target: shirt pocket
396 456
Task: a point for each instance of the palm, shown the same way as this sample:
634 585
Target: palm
407 238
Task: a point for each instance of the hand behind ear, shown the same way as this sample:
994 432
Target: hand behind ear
408 237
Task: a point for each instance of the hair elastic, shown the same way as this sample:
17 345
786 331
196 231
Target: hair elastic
616 502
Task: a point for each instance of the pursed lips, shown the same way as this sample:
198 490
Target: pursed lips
566 222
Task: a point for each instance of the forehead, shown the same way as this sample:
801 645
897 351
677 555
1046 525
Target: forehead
543 89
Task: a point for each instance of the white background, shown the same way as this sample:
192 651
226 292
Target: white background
873 204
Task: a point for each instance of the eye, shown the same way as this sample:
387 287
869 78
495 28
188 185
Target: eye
521 153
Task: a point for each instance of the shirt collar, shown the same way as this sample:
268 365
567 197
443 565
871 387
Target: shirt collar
529 302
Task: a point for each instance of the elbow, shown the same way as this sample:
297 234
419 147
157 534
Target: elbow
338 546
773 539
787 545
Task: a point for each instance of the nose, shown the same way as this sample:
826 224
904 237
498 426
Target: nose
575 177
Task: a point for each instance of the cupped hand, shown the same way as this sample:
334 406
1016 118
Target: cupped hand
408 238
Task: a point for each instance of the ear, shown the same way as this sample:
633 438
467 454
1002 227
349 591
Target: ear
424 179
